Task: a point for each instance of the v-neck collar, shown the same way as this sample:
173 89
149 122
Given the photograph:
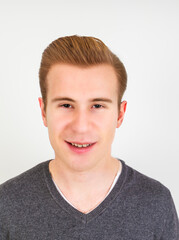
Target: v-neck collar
73 211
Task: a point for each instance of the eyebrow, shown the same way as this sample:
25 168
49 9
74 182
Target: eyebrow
57 99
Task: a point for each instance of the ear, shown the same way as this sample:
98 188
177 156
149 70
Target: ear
41 103
121 113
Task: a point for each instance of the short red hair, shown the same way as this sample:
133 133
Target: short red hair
80 51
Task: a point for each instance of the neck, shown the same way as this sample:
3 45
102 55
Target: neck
85 190
77 182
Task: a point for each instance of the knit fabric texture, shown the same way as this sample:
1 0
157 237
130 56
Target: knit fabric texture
137 208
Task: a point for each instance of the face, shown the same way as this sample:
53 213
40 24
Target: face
82 107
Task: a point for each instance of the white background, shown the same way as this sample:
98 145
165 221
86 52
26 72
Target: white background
143 33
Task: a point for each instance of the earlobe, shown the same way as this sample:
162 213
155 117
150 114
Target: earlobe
121 113
42 111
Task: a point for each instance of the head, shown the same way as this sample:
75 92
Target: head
80 51
82 84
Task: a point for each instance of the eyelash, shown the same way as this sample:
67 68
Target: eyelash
93 105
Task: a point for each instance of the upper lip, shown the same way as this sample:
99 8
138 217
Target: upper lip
80 143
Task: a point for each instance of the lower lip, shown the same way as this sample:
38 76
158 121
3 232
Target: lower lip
80 150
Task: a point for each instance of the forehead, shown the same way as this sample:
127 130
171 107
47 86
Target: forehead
65 79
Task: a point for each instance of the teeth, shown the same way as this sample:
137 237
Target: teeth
77 145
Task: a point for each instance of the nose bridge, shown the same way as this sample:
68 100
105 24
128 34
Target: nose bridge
81 120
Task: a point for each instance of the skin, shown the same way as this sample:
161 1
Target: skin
83 121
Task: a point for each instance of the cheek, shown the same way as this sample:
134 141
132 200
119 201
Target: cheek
108 128
111 120
55 133
55 127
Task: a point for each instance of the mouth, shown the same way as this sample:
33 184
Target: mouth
80 147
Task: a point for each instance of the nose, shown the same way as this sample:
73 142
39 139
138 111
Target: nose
80 122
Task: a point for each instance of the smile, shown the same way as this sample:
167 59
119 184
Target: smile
79 145
78 148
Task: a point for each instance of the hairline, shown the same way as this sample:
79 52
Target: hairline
82 66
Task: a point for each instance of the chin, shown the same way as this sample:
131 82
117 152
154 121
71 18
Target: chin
81 164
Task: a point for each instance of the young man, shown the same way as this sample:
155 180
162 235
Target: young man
84 192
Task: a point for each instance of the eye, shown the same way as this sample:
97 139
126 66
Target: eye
98 106
66 105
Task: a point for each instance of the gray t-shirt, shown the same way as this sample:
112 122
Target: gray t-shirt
137 208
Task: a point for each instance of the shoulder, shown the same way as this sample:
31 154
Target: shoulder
149 195
143 183
21 185
149 202
146 191
21 195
